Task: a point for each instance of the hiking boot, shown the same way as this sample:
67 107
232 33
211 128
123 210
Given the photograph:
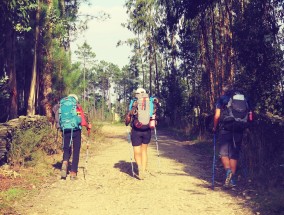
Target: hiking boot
73 176
141 174
229 176
233 183
64 169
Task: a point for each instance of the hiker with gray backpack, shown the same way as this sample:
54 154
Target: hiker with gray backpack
70 118
232 115
142 118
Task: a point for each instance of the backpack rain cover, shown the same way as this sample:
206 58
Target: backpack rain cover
68 117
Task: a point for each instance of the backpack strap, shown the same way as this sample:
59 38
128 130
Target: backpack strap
151 105
131 103
71 138
63 138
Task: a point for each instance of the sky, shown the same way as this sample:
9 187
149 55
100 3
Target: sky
103 36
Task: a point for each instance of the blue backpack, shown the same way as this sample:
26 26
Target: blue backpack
68 117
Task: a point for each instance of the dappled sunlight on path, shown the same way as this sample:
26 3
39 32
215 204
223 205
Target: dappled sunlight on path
175 183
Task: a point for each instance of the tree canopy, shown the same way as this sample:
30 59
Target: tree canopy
183 52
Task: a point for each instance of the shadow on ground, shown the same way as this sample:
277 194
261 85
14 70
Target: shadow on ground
57 165
197 158
126 167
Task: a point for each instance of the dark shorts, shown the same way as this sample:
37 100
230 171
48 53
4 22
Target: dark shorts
230 144
138 137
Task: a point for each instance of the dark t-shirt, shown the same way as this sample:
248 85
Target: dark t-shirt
223 100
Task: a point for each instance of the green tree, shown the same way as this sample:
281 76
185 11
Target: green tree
87 58
260 55
15 20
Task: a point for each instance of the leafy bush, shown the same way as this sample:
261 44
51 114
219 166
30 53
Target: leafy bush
263 149
27 142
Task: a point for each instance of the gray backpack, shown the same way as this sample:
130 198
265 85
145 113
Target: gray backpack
142 108
235 116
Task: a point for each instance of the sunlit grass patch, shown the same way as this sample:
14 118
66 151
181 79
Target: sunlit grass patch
13 194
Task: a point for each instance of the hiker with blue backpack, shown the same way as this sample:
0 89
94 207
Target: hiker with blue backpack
70 118
142 118
232 115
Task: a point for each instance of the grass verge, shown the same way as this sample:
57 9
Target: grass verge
20 182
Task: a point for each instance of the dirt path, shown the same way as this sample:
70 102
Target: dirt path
108 187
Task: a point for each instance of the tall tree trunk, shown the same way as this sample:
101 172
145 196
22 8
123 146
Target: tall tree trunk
47 71
207 58
66 47
32 94
229 34
141 61
150 64
13 109
221 39
215 53
157 87
173 74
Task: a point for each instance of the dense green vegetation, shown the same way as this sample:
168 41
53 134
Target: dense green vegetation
184 50
190 48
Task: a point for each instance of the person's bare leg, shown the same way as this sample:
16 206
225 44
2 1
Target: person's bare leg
229 164
144 159
233 165
225 162
138 156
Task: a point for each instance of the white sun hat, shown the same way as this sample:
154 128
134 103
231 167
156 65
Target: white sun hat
140 90
75 96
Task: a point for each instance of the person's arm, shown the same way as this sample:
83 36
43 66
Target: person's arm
216 118
127 118
84 121
217 114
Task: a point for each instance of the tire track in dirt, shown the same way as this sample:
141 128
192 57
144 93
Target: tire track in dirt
175 185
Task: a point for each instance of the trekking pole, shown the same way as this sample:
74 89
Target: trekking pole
88 144
214 160
157 146
129 142
87 154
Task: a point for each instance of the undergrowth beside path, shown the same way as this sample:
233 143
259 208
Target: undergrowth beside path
180 185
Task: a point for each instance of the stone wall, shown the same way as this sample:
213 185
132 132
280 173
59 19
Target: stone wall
8 129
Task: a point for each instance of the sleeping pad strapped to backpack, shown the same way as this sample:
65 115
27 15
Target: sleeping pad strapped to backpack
143 110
